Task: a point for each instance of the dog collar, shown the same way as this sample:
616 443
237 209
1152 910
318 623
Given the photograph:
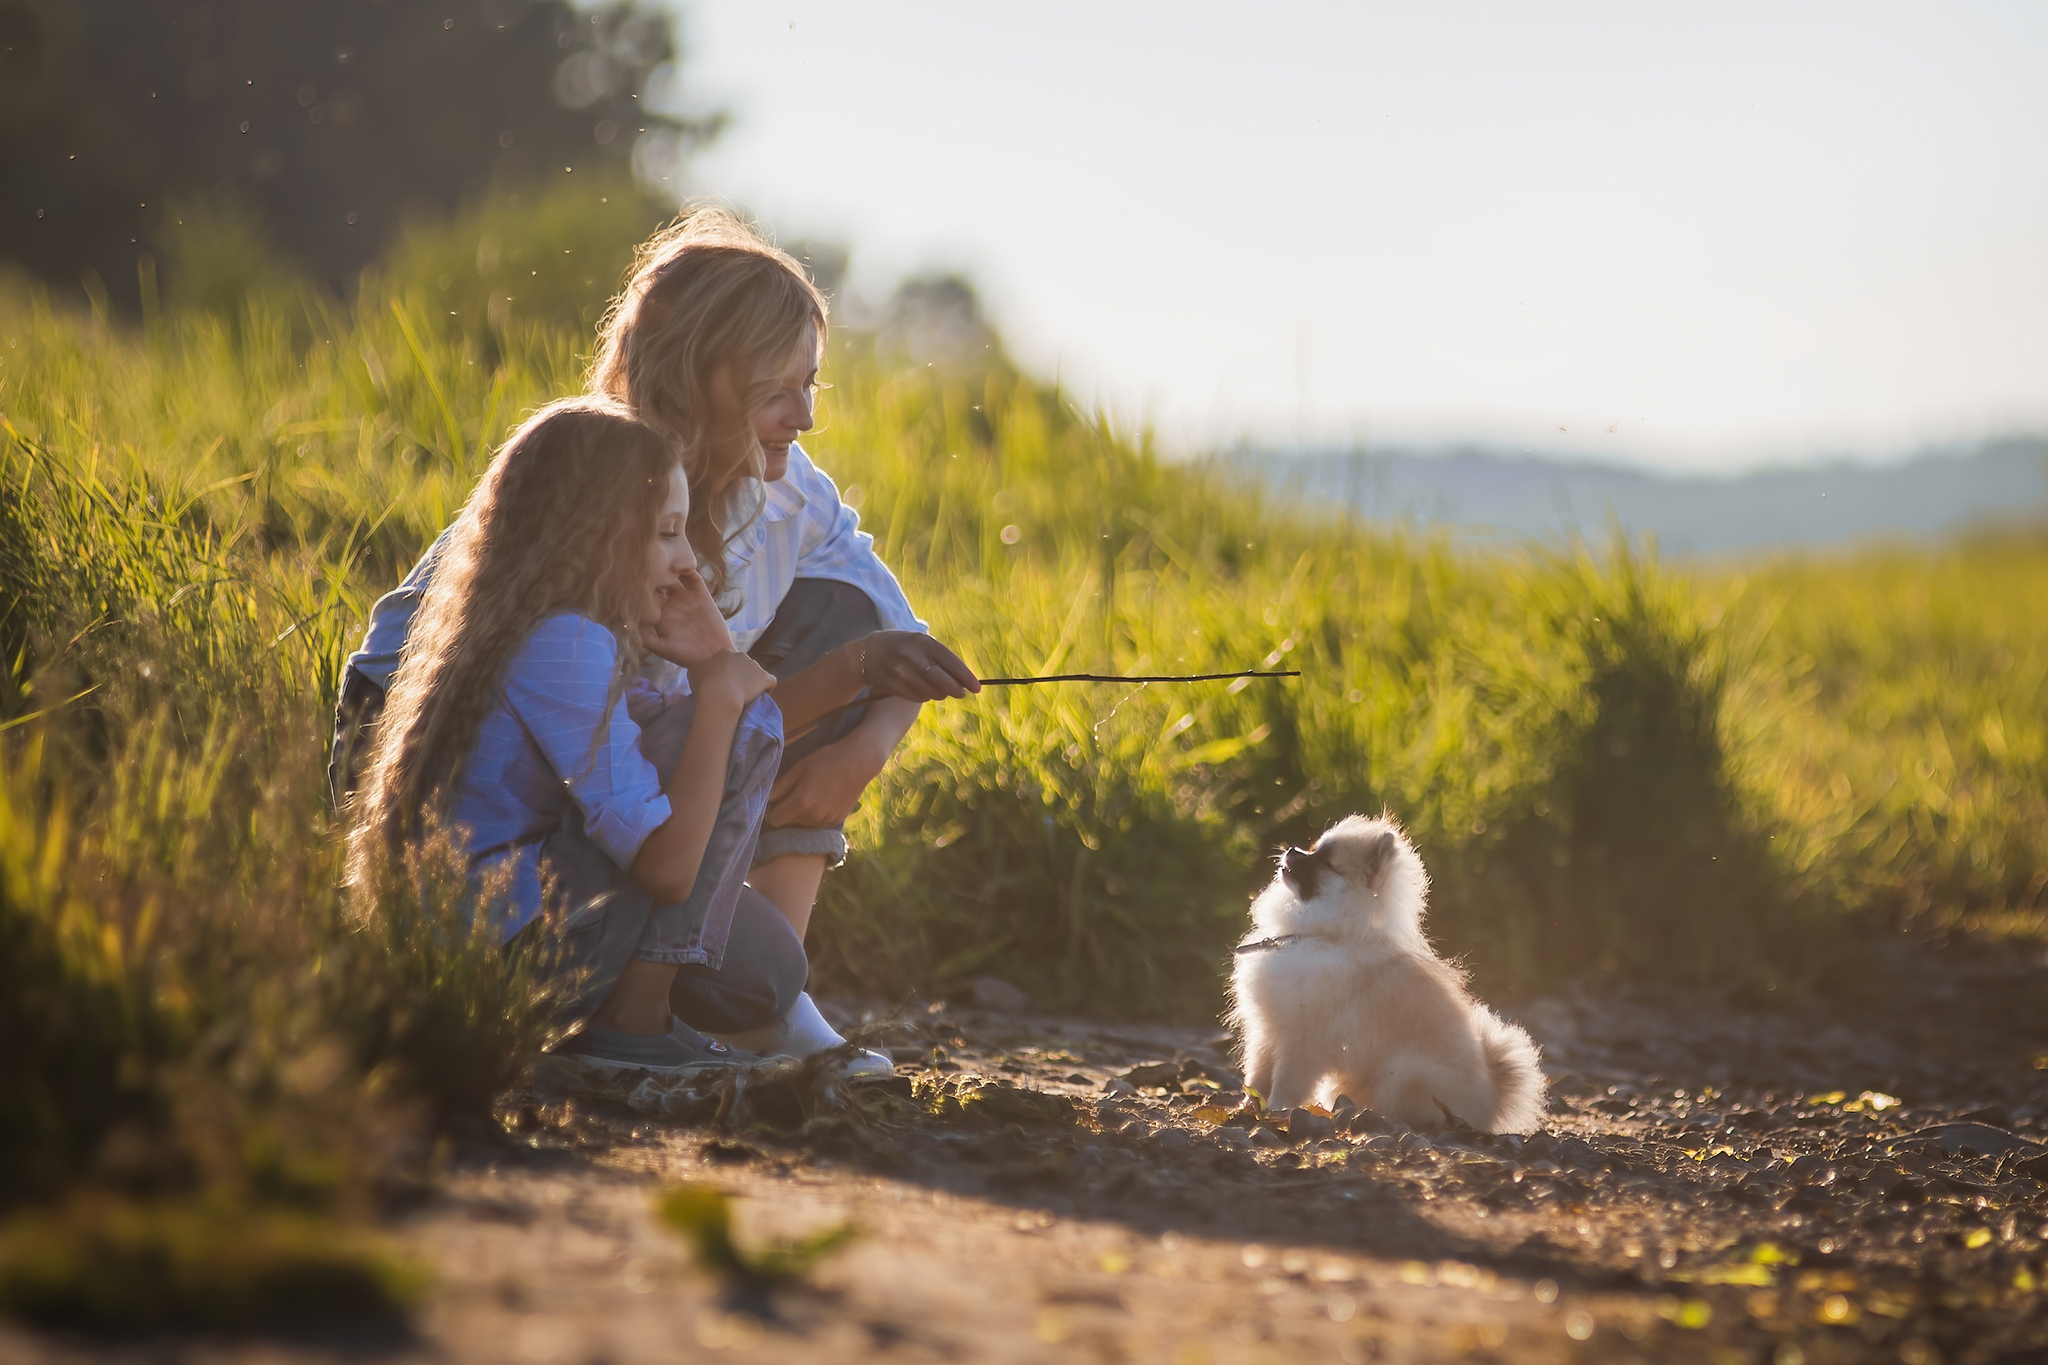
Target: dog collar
1266 943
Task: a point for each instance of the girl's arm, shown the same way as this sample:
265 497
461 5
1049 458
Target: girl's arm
667 864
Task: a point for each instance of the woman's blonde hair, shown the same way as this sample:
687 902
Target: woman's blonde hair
562 521
706 291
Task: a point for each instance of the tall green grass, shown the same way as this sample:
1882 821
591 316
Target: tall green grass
168 875
1548 726
1610 765
199 1037
1893 712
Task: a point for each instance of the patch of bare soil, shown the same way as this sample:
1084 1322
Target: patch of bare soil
1714 1183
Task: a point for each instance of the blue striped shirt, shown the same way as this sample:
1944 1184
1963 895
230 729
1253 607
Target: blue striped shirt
804 530
541 750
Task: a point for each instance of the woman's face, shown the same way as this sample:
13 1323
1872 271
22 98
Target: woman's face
785 416
679 607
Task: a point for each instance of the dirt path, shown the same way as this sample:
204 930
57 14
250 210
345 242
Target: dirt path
1713 1184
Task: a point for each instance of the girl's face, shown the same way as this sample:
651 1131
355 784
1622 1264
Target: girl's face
679 607
783 418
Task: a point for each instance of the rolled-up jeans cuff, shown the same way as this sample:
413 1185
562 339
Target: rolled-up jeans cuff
672 957
795 840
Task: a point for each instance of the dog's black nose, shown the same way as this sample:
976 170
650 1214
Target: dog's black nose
1303 869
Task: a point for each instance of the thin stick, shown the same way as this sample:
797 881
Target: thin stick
1134 677
1071 677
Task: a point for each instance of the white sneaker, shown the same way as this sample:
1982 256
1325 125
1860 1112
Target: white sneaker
809 1033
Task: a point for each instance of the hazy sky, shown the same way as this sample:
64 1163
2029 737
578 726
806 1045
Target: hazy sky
1700 236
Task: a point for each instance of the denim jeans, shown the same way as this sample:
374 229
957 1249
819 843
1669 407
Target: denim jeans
817 616
741 965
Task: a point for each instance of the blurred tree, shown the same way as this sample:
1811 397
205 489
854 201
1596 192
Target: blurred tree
521 255
936 319
325 123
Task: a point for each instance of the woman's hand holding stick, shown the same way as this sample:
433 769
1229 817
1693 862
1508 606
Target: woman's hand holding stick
888 663
913 666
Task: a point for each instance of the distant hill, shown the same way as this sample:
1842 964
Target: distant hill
1488 491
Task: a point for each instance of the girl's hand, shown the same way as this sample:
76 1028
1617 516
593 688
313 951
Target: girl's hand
915 667
729 678
690 629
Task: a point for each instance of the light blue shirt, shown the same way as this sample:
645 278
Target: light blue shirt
540 752
804 530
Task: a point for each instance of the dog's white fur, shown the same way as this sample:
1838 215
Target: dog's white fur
1356 1003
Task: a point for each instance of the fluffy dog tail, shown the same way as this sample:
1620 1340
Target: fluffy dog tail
1516 1070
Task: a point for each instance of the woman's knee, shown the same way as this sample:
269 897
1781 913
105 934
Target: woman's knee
829 605
816 616
775 948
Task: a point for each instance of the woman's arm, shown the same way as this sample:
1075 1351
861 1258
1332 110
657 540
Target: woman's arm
904 669
667 864
822 789
892 663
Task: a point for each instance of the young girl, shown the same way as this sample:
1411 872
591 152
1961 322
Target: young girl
510 717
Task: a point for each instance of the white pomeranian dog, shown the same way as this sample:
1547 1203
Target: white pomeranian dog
1336 992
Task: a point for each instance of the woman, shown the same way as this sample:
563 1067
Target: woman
716 340
510 718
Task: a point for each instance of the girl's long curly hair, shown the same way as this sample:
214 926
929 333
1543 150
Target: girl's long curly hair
561 521
706 291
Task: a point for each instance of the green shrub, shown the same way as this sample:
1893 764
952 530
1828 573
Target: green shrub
192 1012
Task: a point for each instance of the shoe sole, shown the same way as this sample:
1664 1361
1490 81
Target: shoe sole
874 1068
572 1069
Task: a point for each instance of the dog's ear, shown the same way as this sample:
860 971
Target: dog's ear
1379 854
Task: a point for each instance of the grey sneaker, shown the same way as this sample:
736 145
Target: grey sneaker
603 1053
